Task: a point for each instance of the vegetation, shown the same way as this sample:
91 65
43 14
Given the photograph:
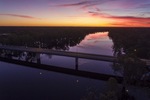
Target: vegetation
112 92
130 46
44 37
131 68
131 41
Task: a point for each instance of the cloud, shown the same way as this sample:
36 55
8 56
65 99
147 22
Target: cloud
117 24
131 23
130 17
105 15
129 13
98 14
75 4
122 20
123 4
21 16
97 9
85 4
144 6
144 14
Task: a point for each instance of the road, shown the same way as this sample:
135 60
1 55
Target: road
62 53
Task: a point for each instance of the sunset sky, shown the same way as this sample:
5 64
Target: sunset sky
118 13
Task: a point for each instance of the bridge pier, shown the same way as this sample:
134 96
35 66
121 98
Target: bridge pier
76 63
38 58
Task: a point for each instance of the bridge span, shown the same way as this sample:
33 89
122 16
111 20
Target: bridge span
61 53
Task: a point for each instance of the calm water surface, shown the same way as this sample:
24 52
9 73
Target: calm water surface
24 83
95 43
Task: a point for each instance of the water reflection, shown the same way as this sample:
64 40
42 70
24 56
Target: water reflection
97 35
20 55
95 43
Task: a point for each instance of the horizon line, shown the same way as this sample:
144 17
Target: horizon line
77 26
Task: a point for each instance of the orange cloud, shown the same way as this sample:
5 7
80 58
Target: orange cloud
122 20
21 16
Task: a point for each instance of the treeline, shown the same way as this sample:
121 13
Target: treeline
134 41
44 37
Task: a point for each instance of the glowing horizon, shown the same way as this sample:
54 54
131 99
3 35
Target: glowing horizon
91 13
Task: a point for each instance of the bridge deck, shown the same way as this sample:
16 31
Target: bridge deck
61 53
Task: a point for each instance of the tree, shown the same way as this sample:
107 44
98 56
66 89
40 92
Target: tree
132 68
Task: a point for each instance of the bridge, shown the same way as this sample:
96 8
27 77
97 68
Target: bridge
61 53
81 73
75 55
75 71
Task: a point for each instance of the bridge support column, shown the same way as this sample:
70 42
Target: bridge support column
38 58
76 63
